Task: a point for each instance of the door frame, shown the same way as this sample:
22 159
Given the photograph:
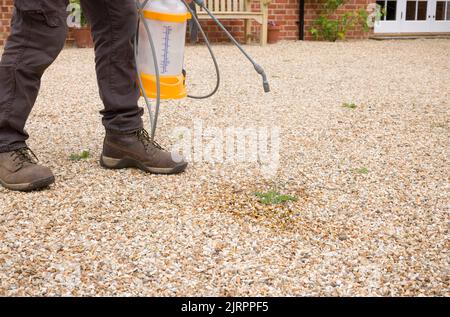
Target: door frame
441 25
401 25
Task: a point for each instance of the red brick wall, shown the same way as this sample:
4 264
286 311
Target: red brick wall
286 14
282 12
6 7
313 10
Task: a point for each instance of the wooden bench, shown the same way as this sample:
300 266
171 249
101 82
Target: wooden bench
242 10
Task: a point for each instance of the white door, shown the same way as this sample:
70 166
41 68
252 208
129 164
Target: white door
390 21
414 16
441 16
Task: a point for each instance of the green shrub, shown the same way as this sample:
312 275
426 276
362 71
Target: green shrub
331 27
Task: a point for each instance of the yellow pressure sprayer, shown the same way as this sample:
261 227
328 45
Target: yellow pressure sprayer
159 52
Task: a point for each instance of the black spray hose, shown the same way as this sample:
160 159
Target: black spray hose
153 120
257 67
213 57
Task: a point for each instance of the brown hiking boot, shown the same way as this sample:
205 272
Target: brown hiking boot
19 171
138 150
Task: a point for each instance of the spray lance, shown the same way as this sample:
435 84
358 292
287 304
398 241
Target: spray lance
159 52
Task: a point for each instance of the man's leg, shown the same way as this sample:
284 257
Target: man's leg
127 144
38 32
113 24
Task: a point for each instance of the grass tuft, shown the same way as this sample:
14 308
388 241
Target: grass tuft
272 198
350 105
362 170
79 156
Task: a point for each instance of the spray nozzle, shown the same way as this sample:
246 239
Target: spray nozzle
261 71
266 86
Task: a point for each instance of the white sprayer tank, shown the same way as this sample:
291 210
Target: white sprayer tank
166 20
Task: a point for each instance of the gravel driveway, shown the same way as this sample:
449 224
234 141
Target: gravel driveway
364 130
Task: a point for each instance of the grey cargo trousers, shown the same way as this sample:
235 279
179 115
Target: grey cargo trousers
38 33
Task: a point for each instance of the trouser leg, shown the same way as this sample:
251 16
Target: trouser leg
114 24
38 32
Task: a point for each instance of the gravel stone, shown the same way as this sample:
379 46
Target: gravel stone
383 231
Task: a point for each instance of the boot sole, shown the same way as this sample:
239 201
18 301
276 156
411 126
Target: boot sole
39 184
126 162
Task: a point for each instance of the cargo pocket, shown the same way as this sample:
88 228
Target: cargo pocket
7 87
28 5
49 19
53 21
34 11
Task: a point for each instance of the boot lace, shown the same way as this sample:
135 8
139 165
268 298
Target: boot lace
24 155
144 137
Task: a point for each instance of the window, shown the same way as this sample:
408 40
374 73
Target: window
410 10
389 8
422 10
440 10
416 10
382 5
